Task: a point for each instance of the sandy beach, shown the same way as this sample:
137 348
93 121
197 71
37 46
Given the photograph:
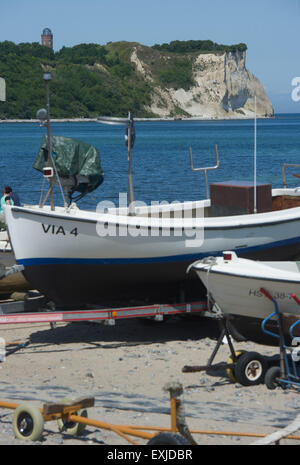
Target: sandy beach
91 120
125 367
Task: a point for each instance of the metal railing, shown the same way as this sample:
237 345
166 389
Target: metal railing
283 168
207 168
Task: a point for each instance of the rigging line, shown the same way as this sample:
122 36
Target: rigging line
58 179
42 191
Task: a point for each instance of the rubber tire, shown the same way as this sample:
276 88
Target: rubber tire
168 439
270 378
241 368
37 422
72 428
230 371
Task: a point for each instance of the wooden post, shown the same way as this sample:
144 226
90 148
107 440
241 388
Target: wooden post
178 422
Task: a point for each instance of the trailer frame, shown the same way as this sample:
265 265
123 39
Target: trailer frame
107 316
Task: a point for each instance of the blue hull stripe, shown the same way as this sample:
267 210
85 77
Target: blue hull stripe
170 259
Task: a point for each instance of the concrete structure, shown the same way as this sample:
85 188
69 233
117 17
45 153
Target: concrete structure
47 38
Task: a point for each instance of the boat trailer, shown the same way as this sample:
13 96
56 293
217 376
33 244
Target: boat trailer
107 316
9 314
72 418
252 368
243 367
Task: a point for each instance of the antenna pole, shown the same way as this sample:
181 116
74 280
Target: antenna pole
255 206
131 211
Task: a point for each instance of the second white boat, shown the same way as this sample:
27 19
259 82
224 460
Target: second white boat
235 284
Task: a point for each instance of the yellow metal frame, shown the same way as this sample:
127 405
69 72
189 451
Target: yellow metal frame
68 414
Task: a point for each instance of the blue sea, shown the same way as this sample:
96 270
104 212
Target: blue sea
161 169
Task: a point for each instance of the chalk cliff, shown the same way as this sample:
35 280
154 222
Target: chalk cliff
194 78
221 86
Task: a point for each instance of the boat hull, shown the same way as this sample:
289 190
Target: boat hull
66 258
249 328
238 295
235 286
84 283
81 284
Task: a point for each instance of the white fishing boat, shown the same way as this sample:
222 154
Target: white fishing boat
77 257
235 284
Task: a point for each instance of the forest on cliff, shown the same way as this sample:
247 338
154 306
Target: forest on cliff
89 80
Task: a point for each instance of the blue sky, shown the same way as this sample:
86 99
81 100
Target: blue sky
270 28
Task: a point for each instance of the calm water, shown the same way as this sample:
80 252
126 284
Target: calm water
160 155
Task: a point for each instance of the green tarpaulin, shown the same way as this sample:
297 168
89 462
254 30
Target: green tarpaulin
74 160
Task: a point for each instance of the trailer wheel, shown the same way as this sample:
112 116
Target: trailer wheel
168 439
28 423
271 377
250 369
229 370
71 427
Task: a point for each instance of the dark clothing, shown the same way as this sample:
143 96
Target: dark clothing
15 199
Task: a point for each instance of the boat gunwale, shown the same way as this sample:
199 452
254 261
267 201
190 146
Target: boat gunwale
242 276
282 216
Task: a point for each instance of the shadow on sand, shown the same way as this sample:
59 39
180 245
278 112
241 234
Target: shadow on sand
129 332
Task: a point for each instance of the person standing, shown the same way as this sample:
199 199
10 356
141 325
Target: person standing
5 200
13 195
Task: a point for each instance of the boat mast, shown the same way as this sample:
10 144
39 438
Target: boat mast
255 206
47 78
130 140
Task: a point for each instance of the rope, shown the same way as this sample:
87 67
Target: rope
281 434
42 191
